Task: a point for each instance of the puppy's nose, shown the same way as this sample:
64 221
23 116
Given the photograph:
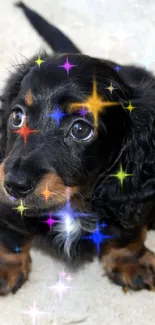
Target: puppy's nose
18 187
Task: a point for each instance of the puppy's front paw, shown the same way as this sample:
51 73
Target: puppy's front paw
14 270
132 273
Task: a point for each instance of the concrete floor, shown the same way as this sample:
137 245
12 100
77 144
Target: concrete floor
123 31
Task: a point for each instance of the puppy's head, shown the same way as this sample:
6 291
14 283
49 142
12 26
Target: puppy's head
63 128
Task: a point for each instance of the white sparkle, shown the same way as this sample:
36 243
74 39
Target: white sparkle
121 34
33 313
69 278
69 223
63 273
110 88
60 288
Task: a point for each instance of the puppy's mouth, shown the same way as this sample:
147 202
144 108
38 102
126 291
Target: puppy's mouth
37 205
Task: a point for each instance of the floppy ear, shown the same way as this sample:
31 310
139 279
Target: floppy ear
129 203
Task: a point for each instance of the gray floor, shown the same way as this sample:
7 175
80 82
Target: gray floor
120 30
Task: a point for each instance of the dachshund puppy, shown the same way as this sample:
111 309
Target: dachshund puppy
77 141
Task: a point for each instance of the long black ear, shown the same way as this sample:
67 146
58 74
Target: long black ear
52 35
128 203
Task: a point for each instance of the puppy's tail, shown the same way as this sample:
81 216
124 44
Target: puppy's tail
52 35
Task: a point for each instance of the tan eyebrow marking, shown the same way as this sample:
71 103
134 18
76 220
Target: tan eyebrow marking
29 98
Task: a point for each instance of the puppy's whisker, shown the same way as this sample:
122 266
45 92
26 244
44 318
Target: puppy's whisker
81 197
25 58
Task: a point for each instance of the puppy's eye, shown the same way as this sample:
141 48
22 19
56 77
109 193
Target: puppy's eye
81 130
17 118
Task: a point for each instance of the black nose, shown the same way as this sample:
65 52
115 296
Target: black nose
17 186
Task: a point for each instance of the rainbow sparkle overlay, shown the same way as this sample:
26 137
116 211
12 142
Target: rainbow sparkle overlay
65 221
67 66
94 104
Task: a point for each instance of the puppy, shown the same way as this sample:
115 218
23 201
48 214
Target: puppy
77 139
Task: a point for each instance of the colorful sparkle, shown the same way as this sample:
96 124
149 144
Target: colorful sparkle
65 276
111 88
117 68
50 221
69 218
67 66
39 61
34 313
24 131
97 237
83 112
121 175
103 225
57 115
94 104
130 107
46 193
21 208
17 249
12 198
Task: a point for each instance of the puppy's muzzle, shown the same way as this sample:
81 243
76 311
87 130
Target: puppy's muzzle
18 186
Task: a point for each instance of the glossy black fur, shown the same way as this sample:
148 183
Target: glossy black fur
122 138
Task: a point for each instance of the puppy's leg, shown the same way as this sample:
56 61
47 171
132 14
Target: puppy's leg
132 266
15 260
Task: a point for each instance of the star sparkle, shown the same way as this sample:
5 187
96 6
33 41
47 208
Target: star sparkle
12 198
103 224
57 115
69 218
67 215
121 34
130 107
63 273
83 112
111 88
21 208
50 221
24 131
34 313
121 175
60 287
17 249
97 237
94 104
117 68
69 278
67 66
39 61
46 193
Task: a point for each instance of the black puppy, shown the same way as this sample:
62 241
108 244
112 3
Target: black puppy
77 141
